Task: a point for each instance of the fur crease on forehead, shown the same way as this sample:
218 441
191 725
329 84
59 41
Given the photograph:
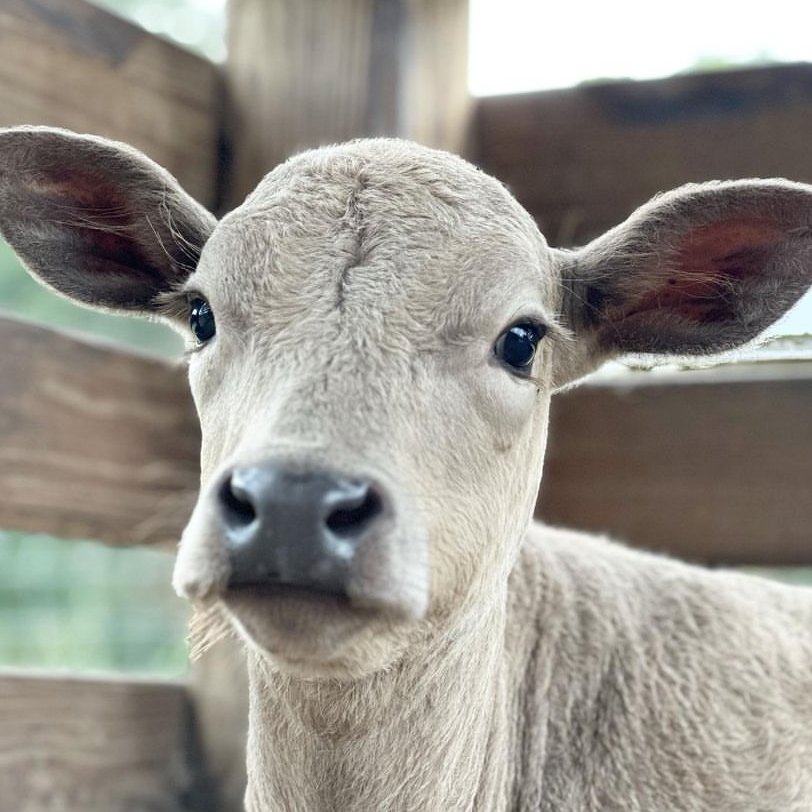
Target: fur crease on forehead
387 214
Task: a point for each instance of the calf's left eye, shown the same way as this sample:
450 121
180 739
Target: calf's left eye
516 347
201 320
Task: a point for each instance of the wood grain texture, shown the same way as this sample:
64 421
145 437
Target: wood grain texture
310 73
94 442
582 159
67 63
98 745
714 471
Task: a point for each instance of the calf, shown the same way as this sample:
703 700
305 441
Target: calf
374 338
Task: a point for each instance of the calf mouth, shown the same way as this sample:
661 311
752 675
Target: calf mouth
312 600
308 631
271 591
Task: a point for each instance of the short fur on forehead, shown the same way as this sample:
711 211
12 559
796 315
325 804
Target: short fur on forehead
420 232
397 168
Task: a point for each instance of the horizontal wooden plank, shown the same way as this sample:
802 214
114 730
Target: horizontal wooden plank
582 159
715 471
94 442
97 745
70 64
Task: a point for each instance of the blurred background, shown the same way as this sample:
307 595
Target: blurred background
80 605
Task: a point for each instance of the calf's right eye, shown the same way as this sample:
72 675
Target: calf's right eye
516 347
201 320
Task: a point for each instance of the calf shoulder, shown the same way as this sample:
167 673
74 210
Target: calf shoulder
665 686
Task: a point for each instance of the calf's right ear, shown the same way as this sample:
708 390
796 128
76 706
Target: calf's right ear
702 269
96 220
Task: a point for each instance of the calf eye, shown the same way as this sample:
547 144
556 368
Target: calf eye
201 320
516 347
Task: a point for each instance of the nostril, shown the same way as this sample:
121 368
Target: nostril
238 510
355 512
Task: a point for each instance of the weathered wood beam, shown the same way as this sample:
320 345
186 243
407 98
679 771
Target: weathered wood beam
716 471
70 64
94 442
310 73
98 745
582 159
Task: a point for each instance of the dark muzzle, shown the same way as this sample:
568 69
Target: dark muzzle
295 527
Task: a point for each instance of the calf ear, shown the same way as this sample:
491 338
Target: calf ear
96 220
702 269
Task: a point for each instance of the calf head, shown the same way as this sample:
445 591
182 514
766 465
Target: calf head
374 337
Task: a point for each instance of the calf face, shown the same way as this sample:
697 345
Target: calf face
374 337
354 409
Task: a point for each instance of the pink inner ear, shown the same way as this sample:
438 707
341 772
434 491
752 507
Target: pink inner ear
99 222
707 266
92 211
716 242
71 189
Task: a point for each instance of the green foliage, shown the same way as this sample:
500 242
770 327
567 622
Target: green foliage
712 62
83 606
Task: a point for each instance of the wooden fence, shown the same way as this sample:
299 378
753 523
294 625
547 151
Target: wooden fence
98 443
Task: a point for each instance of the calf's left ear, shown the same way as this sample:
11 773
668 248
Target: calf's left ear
96 220
699 270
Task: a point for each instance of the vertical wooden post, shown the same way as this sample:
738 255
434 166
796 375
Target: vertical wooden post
311 72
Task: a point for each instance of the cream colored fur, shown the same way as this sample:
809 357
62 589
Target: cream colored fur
485 663
601 679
